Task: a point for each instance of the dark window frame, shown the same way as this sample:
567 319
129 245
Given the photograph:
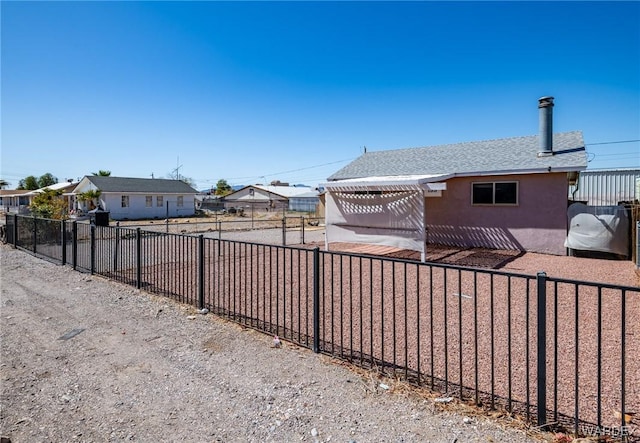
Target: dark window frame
481 195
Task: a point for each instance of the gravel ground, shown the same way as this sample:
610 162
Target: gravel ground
355 307
142 368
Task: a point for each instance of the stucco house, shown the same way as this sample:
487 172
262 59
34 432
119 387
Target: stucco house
272 198
135 198
504 194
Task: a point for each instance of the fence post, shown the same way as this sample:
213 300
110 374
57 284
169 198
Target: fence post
93 249
284 231
15 231
316 300
542 349
201 271
638 245
138 258
35 233
63 225
302 229
74 245
117 247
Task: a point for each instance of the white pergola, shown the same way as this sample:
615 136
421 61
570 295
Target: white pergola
388 211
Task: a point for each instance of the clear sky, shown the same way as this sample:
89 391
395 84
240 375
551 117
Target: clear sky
293 91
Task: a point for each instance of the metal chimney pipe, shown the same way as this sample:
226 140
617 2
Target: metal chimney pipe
545 104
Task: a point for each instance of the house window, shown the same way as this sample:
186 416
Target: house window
159 201
495 193
124 202
148 201
180 201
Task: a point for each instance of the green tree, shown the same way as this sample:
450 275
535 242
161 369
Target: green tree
30 183
102 173
49 204
92 196
47 180
4 183
223 188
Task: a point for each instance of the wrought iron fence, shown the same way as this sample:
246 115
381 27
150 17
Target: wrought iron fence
559 353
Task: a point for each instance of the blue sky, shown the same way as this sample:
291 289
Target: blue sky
292 91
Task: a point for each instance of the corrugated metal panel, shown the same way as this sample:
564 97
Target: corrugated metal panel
304 204
606 187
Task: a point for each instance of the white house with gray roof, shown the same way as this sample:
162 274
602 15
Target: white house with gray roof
136 198
507 193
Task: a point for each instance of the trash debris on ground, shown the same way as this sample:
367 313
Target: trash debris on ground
72 333
443 400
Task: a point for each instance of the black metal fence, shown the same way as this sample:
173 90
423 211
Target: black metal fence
559 353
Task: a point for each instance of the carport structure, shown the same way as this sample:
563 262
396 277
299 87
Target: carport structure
386 211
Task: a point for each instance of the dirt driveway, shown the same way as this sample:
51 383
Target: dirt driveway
85 359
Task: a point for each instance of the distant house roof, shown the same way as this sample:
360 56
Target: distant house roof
62 186
285 191
149 185
13 192
308 194
500 156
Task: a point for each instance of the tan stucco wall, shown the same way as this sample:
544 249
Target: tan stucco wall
538 223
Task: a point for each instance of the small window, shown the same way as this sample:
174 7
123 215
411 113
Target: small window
483 193
159 201
180 201
149 201
124 202
495 193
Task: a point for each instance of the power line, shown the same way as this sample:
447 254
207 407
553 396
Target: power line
612 143
300 178
632 154
292 170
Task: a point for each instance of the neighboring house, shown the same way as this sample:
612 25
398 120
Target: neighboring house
19 200
272 198
136 198
15 200
606 187
505 194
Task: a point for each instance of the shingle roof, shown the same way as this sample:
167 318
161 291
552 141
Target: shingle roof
152 185
507 155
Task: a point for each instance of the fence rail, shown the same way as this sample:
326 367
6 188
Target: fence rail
559 353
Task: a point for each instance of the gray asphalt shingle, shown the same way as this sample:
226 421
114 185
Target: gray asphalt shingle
481 157
155 185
